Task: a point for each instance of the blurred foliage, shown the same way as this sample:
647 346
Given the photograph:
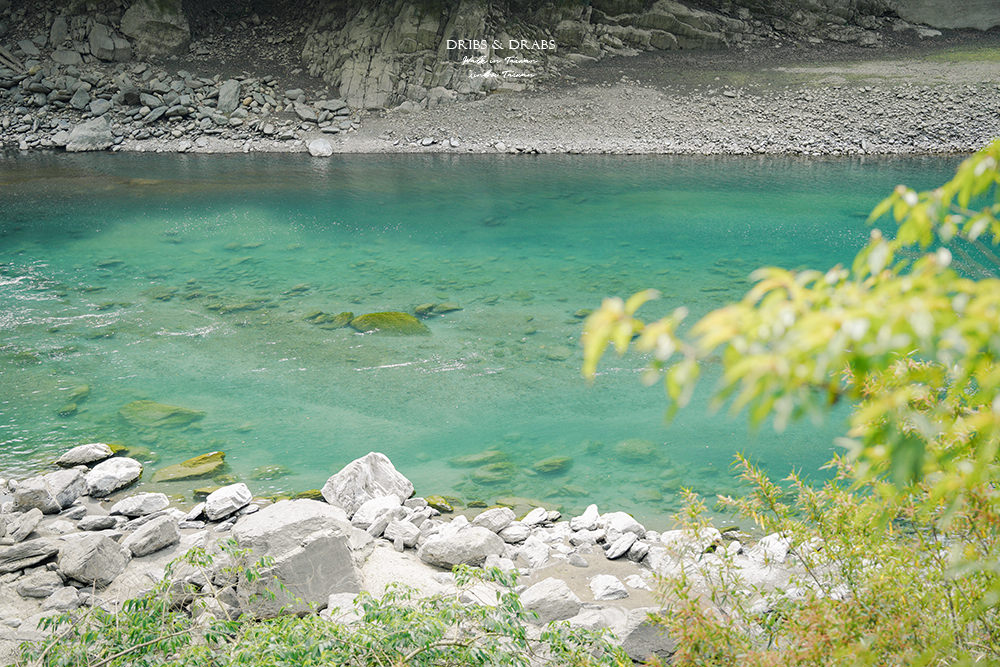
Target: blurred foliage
909 336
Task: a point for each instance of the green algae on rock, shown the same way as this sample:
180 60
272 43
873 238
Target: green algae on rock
269 472
309 494
390 322
205 465
151 414
478 459
440 503
494 473
635 449
553 465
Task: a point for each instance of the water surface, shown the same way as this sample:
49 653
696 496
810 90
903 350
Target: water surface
185 280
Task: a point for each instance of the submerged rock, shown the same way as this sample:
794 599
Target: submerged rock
265 473
635 450
392 322
553 465
479 459
329 320
494 473
151 414
198 467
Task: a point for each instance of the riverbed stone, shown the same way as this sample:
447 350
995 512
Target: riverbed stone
141 504
113 474
644 639
365 478
310 544
51 492
470 545
515 533
586 521
199 467
21 525
27 554
88 454
320 148
403 531
159 533
372 509
552 599
227 500
620 546
229 96
90 135
64 598
553 465
150 414
391 323
38 584
92 559
98 522
495 518
607 587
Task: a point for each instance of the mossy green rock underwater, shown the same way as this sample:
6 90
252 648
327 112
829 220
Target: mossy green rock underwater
392 322
150 414
198 467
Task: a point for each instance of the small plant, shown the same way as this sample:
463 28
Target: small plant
185 621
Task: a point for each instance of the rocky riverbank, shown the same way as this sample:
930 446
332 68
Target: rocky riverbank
617 81
77 537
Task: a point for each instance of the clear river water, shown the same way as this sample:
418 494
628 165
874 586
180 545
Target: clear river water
186 280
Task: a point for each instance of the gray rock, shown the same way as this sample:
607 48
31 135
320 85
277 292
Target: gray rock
92 559
305 112
620 547
404 531
229 96
59 31
536 517
363 479
534 552
106 45
39 584
50 493
607 587
27 554
80 99
514 533
644 640
158 27
99 107
22 524
976 14
63 599
333 106
85 454
469 546
67 57
310 544
320 148
372 509
495 518
157 534
95 135
141 504
618 523
74 512
225 501
552 600
97 522
28 47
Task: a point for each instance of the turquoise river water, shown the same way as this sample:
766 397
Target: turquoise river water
186 279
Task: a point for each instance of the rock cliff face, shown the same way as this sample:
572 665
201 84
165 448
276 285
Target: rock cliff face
977 14
388 53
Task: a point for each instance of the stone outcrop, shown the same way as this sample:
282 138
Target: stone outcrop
158 27
363 479
976 14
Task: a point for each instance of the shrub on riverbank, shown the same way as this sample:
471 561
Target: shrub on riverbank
903 547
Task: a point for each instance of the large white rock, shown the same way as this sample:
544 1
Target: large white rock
363 479
22 524
515 532
320 148
771 549
91 135
225 501
109 476
372 509
469 546
404 531
495 518
552 600
618 523
93 452
586 521
50 493
310 544
159 533
607 587
92 559
141 504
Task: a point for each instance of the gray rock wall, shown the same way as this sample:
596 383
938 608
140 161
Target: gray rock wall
977 14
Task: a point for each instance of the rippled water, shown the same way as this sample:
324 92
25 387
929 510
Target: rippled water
185 280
